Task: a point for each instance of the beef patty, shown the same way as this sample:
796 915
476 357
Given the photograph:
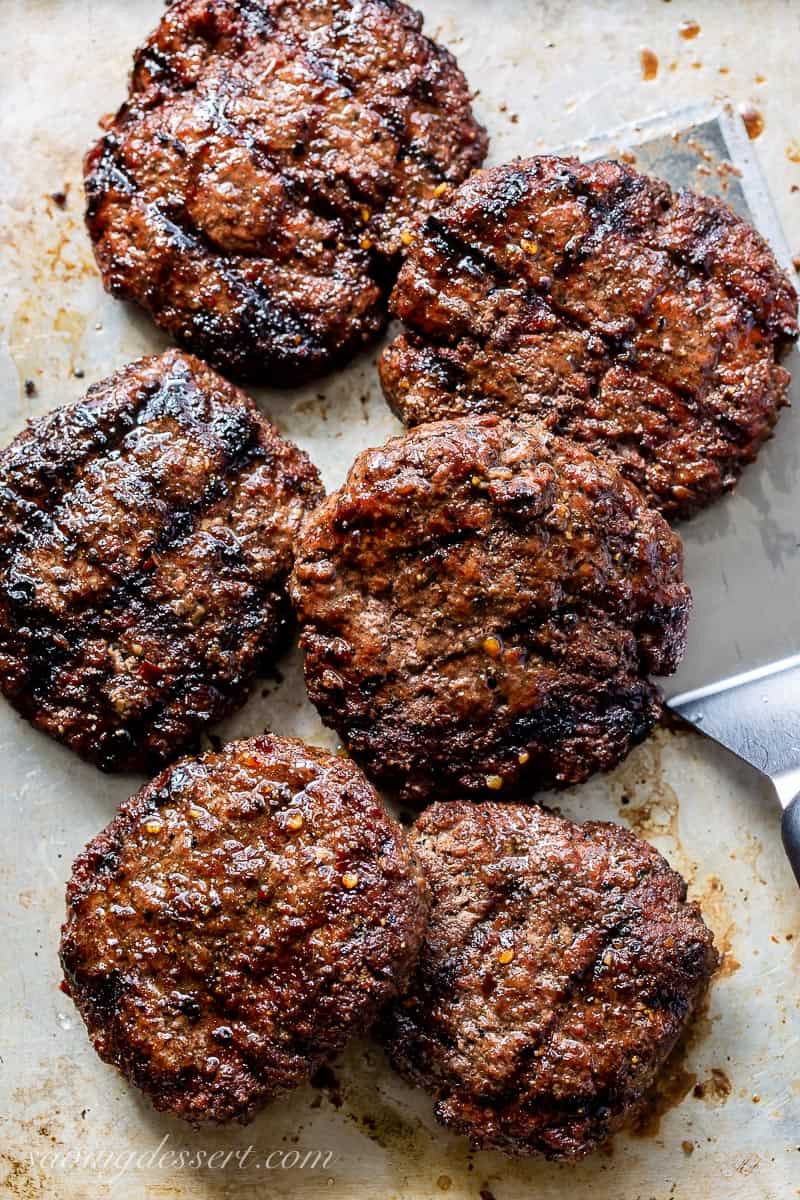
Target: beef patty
236 921
482 602
255 191
145 542
642 323
560 966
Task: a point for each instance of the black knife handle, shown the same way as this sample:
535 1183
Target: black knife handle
790 828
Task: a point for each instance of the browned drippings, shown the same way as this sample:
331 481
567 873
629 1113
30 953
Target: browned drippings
647 803
324 1079
649 62
793 152
714 905
753 121
715 1089
671 1087
689 29
674 1081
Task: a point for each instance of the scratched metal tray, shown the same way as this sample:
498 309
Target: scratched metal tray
727 1119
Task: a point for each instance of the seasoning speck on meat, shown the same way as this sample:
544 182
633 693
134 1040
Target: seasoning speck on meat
481 604
645 324
215 948
258 187
560 966
146 538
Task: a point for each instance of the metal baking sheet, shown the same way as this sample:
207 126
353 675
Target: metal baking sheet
727 1123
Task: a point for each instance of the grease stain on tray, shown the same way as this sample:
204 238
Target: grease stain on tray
18 1180
326 1081
753 120
649 64
671 1089
749 853
714 904
676 1079
647 803
715 1088
53 260
353 1089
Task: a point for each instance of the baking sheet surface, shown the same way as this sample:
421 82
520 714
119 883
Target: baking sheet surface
548 74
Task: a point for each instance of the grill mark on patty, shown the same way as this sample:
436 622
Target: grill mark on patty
526 633
513 903
49 659
574 987
327 72
619 351
273 315
265 944
580 986
174 528
397 129
67 471
171 627
279 164
606 215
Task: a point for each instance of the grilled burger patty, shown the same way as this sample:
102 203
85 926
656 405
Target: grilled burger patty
642 323
481 604
145 542
560 965
254 192
236 921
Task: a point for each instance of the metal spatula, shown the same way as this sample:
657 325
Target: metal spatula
740 680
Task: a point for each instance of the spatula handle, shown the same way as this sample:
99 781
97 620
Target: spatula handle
790 828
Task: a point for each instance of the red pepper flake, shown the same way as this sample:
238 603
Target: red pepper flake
150 671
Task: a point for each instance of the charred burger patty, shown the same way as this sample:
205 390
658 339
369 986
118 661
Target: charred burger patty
560 966
146 538
481 604
238 919
255 191
645 324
